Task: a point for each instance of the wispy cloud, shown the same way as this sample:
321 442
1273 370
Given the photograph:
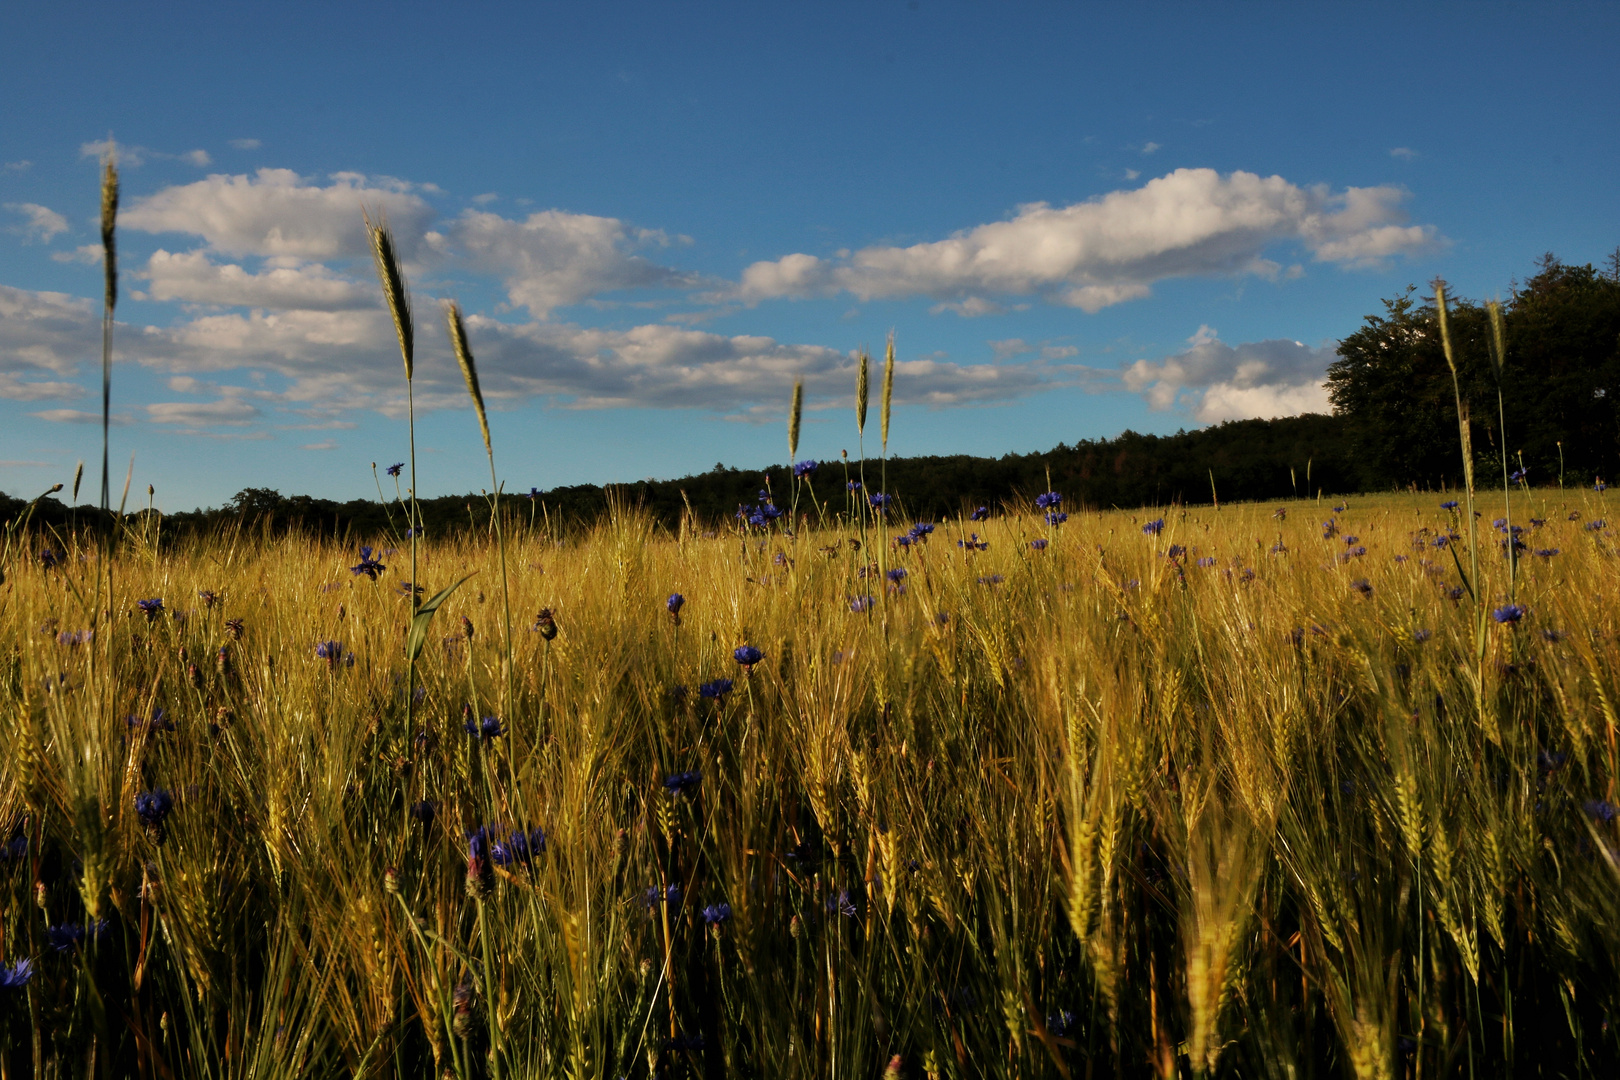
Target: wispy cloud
80 416
245 144
1090 255
42 222
1403 153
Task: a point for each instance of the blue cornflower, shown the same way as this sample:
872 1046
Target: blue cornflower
1454 593
718 689
993 579
153 806
1449 504
1048 500
973 543
903 541
1060 1023
519 848
675 602
414 531
17 975
842 904
485 729
1279 548
1595 525
979 514
853 485
897 574
1421 636
63 938
1056 517
534 493
715 914
1352 539
879 500
1039 543
1518 475
1546 553
682 783
153 607
1357 550
805 468
1509 613
1330 529
159 721
747 655
330 651
1440 541
1339 509
368 566
921 531
1154 527
396 468
860 604
1601 810
48 559
1176 551
1209 560
1500 524
655 896
1600 486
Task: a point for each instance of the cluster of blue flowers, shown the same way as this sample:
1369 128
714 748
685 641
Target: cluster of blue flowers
715 914
519 848
973 543
760 515
805 468
484 729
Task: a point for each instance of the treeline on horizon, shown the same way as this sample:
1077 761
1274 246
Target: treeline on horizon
1393 426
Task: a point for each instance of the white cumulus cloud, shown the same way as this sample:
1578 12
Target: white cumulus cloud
1215 381
276 213
1108 250
192 277
552 258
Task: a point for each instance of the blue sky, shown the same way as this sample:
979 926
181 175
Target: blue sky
1075 218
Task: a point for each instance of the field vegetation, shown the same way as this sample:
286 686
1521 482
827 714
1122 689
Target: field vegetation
1240 794
1284 789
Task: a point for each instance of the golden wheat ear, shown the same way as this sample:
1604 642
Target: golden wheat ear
109 227
469 368
888 387
384 253
863 385
795 414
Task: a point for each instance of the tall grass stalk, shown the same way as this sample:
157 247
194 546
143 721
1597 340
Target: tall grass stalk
469 372
398 298
109 253
1496 342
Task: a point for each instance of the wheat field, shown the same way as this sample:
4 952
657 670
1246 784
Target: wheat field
1260 791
